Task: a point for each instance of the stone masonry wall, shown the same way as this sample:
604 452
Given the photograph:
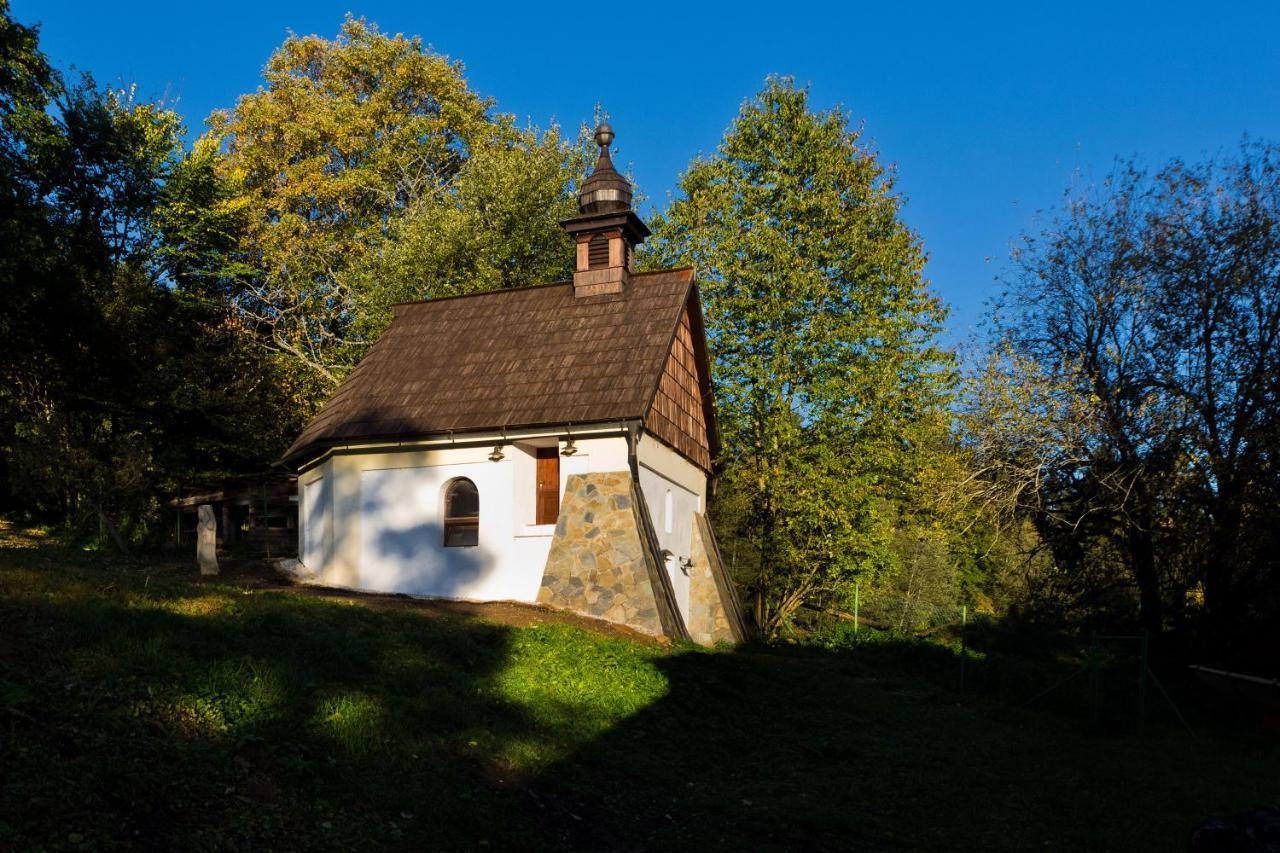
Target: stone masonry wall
714 613
599 564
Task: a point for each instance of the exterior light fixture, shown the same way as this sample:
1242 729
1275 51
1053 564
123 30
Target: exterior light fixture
497 455
569 447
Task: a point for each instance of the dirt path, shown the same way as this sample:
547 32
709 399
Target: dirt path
15 537
260 575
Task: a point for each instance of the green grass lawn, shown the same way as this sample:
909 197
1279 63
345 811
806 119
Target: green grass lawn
141 707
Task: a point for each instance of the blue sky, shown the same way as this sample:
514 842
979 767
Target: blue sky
988 111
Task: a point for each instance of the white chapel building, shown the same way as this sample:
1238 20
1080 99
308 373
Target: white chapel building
549 444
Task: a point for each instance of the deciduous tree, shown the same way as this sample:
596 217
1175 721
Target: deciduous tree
115 380
367 172
829 380
1156 298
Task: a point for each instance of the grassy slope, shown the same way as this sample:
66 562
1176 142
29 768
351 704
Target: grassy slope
141 708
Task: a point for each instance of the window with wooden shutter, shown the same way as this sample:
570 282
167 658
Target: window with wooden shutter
548 497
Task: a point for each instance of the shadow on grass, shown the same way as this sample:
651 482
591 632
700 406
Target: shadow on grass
198 717
858 749
164 714
1096 683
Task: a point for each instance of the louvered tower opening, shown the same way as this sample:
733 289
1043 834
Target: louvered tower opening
598 252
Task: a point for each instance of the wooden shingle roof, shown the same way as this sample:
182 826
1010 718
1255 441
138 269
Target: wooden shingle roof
533 356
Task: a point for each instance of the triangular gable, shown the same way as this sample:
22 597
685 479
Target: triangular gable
681 414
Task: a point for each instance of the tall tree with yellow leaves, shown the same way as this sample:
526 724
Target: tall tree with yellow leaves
368 172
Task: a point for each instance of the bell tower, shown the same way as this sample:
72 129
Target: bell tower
608 230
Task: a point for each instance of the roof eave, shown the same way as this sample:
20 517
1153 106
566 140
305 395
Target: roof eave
306 455
627 220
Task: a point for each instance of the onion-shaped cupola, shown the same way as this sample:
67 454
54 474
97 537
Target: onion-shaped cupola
605 191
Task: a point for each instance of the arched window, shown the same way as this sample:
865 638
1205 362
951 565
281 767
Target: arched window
461 514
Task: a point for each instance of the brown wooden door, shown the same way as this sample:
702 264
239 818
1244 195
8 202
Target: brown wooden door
548 485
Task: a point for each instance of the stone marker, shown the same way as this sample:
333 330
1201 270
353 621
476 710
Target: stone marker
1253 831
207 541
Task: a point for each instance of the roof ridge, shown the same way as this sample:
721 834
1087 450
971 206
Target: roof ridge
454 296
479 293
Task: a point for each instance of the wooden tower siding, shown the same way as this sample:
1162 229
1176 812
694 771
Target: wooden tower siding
679 413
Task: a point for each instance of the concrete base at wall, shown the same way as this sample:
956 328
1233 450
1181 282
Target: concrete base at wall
604 560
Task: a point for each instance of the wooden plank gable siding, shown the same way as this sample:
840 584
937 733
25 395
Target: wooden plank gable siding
680 409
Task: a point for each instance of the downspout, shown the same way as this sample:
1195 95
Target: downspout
633 443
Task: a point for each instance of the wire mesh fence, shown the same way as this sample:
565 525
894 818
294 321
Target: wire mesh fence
1103 678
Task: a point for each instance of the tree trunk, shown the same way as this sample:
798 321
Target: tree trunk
111 528
1220 605
764 579
1142 564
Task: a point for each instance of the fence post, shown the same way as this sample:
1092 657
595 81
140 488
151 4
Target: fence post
964 648
1142 686
266 520
1094 711
856 585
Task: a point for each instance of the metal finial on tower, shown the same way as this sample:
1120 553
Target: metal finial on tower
604 135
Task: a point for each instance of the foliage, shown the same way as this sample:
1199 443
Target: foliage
367 172
1152 305
144 708
115 384
173 315
829 384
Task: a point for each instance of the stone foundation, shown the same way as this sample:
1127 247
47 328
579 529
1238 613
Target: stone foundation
603 561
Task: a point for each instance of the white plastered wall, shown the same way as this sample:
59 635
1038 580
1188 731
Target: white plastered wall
675 489
315 517
380 516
